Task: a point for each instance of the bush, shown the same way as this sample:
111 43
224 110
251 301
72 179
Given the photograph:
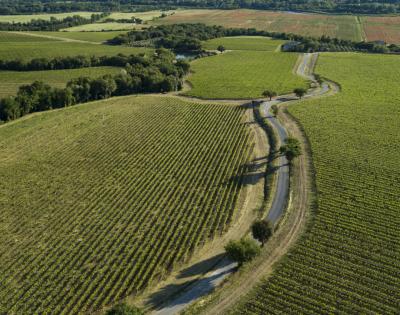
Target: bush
243 250
124 309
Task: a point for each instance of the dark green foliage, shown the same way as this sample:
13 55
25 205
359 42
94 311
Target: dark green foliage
50 25
142 74
300 92
124 309
221 48
291 149
242 251
269 93
262 231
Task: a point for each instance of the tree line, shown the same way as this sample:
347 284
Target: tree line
331 6
52 24
145 74
71 62
189 37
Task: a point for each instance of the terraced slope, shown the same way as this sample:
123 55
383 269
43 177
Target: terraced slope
348 261
100 199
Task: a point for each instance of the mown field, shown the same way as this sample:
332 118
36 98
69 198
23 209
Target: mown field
99 27
341 26
96 37
385 28
8 37
10 81
348 260
100 199
244 74
50 49
256 43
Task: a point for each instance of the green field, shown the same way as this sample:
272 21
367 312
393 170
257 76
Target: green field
348 260
99 27
10 81
244 74
49 49
255 43
7 37
100 199
29 17
96 37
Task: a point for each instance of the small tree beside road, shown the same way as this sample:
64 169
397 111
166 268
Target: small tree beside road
269 93
291 149
300 92
221 48
242 251
262 231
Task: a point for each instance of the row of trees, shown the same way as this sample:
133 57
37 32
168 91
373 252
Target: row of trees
73 62
52 24
158 73
188 37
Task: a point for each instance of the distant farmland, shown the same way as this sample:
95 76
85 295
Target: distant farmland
385 28
100 199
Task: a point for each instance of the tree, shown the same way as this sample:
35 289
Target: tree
261 230
275 110
242 251
124 309
9 109
269 93
291 149
300 92
221 48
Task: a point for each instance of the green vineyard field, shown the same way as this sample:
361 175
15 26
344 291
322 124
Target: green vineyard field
100 199
348 260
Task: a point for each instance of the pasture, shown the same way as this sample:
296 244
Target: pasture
96 37
10 37
348 260
341 26
99 200
50 49
256 43
45 16
243 74
100 27
10 81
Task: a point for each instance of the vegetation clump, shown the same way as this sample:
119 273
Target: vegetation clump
124 309
291 149
262 231
242 250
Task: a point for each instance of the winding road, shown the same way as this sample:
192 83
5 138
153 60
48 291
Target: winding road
225 267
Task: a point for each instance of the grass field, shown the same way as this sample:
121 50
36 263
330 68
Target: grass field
100 199
10 81
145 16
96 37
99 27
342 26
244 74
256 43
348 260
49 49
29 17
7 37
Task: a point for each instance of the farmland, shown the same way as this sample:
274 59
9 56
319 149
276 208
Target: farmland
10 81
29 17
347 262
96 37
123 190
19 37
382 28
244 74
99 27
49 49
256 43
341 26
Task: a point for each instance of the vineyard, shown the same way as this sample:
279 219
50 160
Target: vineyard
37 48
99 200
348 260
10 81
244 43
244 74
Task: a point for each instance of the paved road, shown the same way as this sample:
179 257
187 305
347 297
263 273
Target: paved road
225 267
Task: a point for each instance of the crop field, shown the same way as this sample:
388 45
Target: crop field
99 27
145 16
256 43
341 26
348 260
100 199
96 37
16 37
244 74
29 17
382 28
10 81
50 49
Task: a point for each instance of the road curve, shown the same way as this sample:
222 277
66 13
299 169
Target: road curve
225 267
